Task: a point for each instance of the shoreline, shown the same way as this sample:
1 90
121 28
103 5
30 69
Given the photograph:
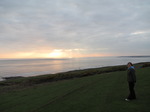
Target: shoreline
33 80
36 67
17 77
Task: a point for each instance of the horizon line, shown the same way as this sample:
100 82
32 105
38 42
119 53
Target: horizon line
71 58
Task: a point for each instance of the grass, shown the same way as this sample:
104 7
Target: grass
97 93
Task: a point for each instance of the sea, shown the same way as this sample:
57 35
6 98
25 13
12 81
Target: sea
34 67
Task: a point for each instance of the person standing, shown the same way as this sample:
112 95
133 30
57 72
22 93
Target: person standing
131 78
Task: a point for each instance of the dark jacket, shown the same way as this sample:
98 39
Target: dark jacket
131 77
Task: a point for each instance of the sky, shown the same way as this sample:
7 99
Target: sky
74 28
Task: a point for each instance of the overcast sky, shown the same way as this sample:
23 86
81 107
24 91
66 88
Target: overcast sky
74 28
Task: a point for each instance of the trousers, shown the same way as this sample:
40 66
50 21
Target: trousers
132 92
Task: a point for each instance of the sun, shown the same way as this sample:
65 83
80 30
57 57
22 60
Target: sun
55 54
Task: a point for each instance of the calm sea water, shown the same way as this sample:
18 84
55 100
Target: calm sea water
33 67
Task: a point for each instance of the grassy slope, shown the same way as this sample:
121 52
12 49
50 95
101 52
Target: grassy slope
98 93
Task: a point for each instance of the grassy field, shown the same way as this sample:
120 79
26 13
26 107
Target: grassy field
97 93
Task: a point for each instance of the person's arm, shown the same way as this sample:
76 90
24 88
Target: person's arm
133 77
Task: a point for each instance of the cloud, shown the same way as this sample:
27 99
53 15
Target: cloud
99 26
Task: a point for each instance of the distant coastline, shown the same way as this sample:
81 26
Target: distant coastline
146 56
